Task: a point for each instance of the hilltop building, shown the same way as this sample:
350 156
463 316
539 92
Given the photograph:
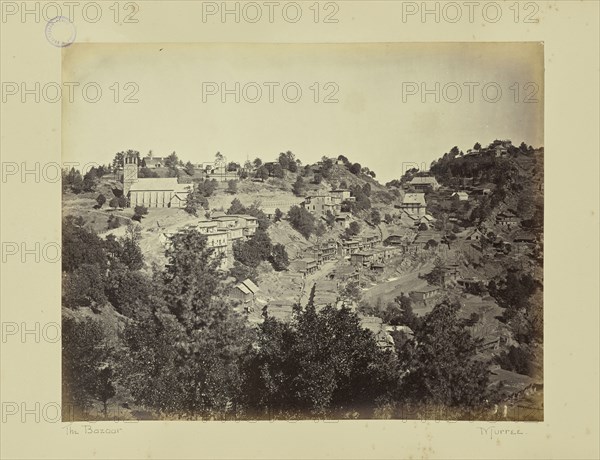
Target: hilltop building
318 205
424 183
217 170
413 204
153 162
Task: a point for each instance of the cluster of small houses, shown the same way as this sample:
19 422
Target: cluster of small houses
319 205
222 231
521 241
498 148
364 251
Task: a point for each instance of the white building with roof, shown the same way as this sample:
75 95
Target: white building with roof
414 204
152 192
424 183
245 291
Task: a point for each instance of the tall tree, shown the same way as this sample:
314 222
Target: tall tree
191 279
302 221
322 364
236 207
101 199
189 168
232 187
185 359
299 187
85 353
279 257
441 365
172 161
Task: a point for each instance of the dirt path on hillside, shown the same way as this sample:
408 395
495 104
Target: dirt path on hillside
406 283
310 280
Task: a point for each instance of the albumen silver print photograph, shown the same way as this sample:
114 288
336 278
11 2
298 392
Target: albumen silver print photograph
299 232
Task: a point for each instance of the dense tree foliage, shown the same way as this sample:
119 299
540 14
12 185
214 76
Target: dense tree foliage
287 161
302 221
80 246
197 199
361 198
262 173
279 257
375 216
236 207
77 183
232 187
147 172
240 272
85 364
189 168
352 230
355 168
441 368
278 215
185 358
322 364
299 187
253 251
101 199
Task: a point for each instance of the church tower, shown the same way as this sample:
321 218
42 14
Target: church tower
130 172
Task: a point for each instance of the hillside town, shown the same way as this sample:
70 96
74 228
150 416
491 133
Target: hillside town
458 247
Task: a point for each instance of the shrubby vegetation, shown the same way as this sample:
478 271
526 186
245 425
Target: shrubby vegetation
323 364
302 221
440 368
185 352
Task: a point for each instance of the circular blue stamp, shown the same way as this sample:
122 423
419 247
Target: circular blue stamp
60 31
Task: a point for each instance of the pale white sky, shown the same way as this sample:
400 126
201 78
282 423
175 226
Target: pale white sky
375 122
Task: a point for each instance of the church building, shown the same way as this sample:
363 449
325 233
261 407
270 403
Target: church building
152 192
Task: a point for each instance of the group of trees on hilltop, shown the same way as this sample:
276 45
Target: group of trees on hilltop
77 183
287 161
484 168
355 168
